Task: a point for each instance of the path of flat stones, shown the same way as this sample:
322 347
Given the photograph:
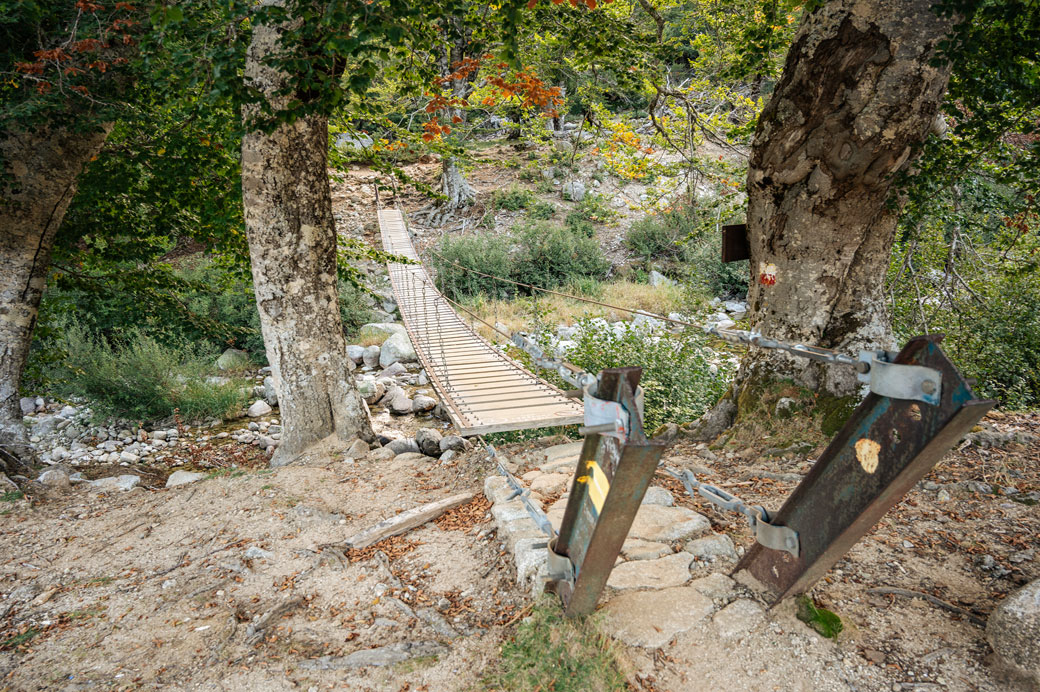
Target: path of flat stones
669 577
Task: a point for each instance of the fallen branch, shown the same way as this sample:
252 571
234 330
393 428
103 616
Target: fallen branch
907 593
405 521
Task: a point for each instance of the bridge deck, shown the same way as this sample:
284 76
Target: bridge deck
483 390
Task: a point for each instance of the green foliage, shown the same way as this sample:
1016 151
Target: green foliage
577 222
550 256
139 378
822 620
656 237
486 253
541 211
678 383
12 496
969 269
540 254
551 652
512 198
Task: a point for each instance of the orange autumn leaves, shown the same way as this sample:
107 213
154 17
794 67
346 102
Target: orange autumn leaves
526 88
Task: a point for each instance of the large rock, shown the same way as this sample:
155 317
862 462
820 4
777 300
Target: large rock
659 279
1013 630
28 405
356 353
455 443
422 403
573 190
270 391
379 332
183 478
371 391
429 441
397 348
651 619
371 356
55 478
233 359
403 446
400 404
124 483
667 524
658 496
259 408
662 573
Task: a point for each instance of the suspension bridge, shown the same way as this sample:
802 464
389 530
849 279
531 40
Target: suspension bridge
917 408
483 390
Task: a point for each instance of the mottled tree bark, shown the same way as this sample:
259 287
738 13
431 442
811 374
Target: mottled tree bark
292 247
857 94
41 169
453 180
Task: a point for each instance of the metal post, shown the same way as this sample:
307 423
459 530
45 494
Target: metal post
612 475
883 450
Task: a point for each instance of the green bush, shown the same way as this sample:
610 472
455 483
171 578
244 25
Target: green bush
485 253
512 198
994 338
654 237
678 384
550 256
541 210
577 222
140 378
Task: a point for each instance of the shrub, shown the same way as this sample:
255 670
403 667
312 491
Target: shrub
512 198
541 211
551 256
654 237
486 253
678 382
704 259
577 222
140 378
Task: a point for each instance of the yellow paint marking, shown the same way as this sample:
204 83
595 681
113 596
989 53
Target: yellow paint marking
598 486
867 454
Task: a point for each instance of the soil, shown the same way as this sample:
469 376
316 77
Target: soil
154 588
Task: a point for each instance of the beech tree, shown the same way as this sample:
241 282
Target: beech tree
292 246
860 91
60 74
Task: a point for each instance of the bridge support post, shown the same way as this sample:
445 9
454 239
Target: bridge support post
613 472
885 447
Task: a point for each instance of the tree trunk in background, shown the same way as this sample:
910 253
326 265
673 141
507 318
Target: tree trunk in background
43 167
292 247
856 95
453 181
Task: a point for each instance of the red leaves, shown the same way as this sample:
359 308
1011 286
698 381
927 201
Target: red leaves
88 6
87 45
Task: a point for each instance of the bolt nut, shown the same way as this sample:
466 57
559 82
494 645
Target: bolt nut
863 367
928 387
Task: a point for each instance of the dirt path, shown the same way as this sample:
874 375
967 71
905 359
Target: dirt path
229 583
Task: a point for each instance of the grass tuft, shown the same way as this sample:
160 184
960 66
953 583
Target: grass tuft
550 653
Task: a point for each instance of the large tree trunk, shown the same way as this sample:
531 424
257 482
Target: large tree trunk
292 246
454 185
857 94
41 169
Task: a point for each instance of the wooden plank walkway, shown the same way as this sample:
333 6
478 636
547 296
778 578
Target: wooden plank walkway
483 390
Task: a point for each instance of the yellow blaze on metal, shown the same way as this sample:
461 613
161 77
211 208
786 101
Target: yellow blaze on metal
599 486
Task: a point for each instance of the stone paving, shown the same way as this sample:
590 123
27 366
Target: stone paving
671 575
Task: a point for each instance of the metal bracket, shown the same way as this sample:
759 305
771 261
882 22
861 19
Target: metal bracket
776 537
769 535
560 567
896 381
